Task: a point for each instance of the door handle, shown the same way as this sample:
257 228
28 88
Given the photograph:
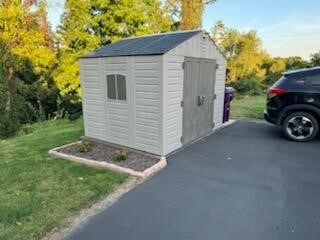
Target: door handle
201 100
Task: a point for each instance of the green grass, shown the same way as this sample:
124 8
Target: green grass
248 106
38 192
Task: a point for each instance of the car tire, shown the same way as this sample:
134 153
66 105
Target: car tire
300 127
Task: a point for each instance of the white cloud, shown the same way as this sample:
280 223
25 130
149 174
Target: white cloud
303 47
292 37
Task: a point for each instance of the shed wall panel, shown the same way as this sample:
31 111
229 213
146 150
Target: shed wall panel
172 97
93 98
147 91
117 111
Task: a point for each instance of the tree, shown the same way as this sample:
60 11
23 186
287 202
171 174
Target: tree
315 59
24 33
243 51
295 62
87 25
25 48
192 12
274 68
188 13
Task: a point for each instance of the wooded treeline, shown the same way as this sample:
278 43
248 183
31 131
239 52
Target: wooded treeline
39 72
250 68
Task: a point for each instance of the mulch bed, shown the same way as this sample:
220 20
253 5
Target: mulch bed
103 152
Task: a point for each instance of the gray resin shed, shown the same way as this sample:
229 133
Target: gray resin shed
154 93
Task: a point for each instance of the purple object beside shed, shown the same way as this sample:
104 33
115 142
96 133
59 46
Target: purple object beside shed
228 96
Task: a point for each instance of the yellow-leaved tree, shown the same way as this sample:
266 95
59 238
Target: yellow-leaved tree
25 47
243 51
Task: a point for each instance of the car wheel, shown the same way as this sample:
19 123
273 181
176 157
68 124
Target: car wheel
300 127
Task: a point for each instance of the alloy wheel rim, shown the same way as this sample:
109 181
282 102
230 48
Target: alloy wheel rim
300 127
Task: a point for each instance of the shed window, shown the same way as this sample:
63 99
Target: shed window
116 85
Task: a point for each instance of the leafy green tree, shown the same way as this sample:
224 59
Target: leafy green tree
295 62
25 55
276 66
315 59
87 25
248 85
243 51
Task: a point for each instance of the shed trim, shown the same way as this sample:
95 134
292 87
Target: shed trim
144 45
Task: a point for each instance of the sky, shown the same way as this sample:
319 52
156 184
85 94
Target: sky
286 27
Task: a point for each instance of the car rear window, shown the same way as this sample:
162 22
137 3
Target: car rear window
280 81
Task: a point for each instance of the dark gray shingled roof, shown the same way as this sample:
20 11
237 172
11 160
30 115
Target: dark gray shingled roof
145 45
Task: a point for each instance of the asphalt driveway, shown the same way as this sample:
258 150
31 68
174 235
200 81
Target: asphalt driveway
243 183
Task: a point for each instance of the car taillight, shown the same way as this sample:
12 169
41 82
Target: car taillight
272 92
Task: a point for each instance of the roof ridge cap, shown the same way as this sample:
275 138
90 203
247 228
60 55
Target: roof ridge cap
163 33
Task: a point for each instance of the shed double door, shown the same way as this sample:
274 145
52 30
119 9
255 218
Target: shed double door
198 98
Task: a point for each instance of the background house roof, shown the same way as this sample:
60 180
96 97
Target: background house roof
144 45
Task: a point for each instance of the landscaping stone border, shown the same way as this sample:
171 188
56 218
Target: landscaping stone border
144 174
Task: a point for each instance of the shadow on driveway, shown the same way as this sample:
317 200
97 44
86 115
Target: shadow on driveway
243 183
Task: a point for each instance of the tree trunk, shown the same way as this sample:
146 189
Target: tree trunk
10 89
191 14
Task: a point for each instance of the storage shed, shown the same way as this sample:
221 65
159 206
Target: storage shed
154 93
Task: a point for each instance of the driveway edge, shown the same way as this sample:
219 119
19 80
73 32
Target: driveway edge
86 214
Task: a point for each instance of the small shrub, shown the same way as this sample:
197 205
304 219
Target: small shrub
250 85
121 155
9 126
84 147
26 129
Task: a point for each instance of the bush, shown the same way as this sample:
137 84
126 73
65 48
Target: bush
250 86
121 155
84 147
72 105
9 123
9 126
26 129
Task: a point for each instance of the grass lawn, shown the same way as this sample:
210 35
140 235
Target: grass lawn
248 106
38 192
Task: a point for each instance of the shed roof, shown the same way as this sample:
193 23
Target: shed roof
145 45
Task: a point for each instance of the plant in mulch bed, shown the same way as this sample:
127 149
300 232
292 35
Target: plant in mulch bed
84 147
120 155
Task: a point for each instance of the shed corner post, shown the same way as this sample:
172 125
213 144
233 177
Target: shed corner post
84 112
131 86
163 99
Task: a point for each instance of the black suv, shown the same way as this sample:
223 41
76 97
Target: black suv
293 102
